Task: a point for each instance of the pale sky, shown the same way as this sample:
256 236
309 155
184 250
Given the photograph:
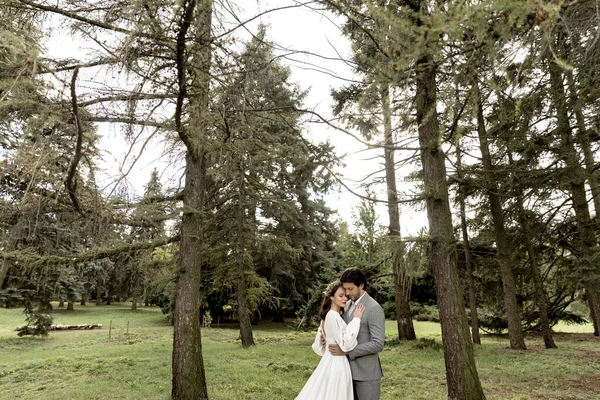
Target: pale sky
298 29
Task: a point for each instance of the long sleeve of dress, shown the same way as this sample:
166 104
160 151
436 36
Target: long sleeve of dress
317 346
344 335
348 339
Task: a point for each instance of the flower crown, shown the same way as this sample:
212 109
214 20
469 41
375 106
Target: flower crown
329 289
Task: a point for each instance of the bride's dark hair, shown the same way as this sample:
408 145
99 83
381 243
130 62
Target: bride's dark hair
327 294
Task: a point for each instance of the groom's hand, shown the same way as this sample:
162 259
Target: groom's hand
335 350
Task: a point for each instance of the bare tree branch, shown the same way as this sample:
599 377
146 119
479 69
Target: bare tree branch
70 181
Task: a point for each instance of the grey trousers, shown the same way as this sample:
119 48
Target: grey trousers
366 390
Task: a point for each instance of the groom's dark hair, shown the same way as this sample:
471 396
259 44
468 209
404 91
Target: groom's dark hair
354 275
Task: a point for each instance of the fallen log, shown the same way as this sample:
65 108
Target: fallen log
28 330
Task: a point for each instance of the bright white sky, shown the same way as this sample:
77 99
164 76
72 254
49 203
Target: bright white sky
298 29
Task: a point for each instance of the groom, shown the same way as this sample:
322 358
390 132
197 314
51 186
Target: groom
364 359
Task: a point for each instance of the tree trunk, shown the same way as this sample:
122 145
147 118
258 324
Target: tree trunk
540 296
14 233
467 250
98 296
4 266
402 283
515 332
189 381
243 305
134 301
188 376
461 372
593 316
590 273
70 306
61 304
583 137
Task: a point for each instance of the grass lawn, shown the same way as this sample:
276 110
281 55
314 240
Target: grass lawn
137 364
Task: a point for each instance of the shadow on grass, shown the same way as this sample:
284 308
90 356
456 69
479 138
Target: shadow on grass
419 344
19 343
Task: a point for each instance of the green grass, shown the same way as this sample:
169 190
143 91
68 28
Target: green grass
137 364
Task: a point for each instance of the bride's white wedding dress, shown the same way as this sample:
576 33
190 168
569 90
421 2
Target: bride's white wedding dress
332 379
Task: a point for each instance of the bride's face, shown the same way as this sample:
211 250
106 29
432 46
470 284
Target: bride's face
339 298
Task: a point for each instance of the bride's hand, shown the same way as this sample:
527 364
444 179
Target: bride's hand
358 311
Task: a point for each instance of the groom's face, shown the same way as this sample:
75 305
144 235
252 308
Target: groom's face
352 291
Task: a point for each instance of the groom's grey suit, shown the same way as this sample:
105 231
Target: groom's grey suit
364 359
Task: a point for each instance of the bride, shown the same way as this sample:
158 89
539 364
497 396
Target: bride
332 379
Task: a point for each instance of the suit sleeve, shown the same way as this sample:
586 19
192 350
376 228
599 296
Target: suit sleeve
317 346
376 326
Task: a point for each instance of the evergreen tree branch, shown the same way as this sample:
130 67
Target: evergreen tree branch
131 121
31 259
341 182
73 15
127 97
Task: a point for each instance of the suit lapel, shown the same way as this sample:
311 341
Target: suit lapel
347 317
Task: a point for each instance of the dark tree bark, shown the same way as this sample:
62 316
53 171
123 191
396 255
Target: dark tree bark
574 172
243 305
593 316
461 372
406 330
540 296
98 296
583 138
189 380
70 306
515 332
467 249
14 233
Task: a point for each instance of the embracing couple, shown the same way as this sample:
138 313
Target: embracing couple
349 339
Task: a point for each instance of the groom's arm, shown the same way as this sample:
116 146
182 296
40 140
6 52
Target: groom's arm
376 323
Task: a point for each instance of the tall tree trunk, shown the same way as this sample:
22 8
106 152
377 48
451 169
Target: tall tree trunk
134 301
98 296
14 234
583 137
574 171
593 316
243 305
4 266
70 306
538 283
515 332
189 380
461 372
467 250
593 180
402 283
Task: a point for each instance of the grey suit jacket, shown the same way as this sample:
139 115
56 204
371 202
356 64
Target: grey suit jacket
364 359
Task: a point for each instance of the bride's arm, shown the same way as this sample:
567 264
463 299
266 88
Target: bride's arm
348 334
317 346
